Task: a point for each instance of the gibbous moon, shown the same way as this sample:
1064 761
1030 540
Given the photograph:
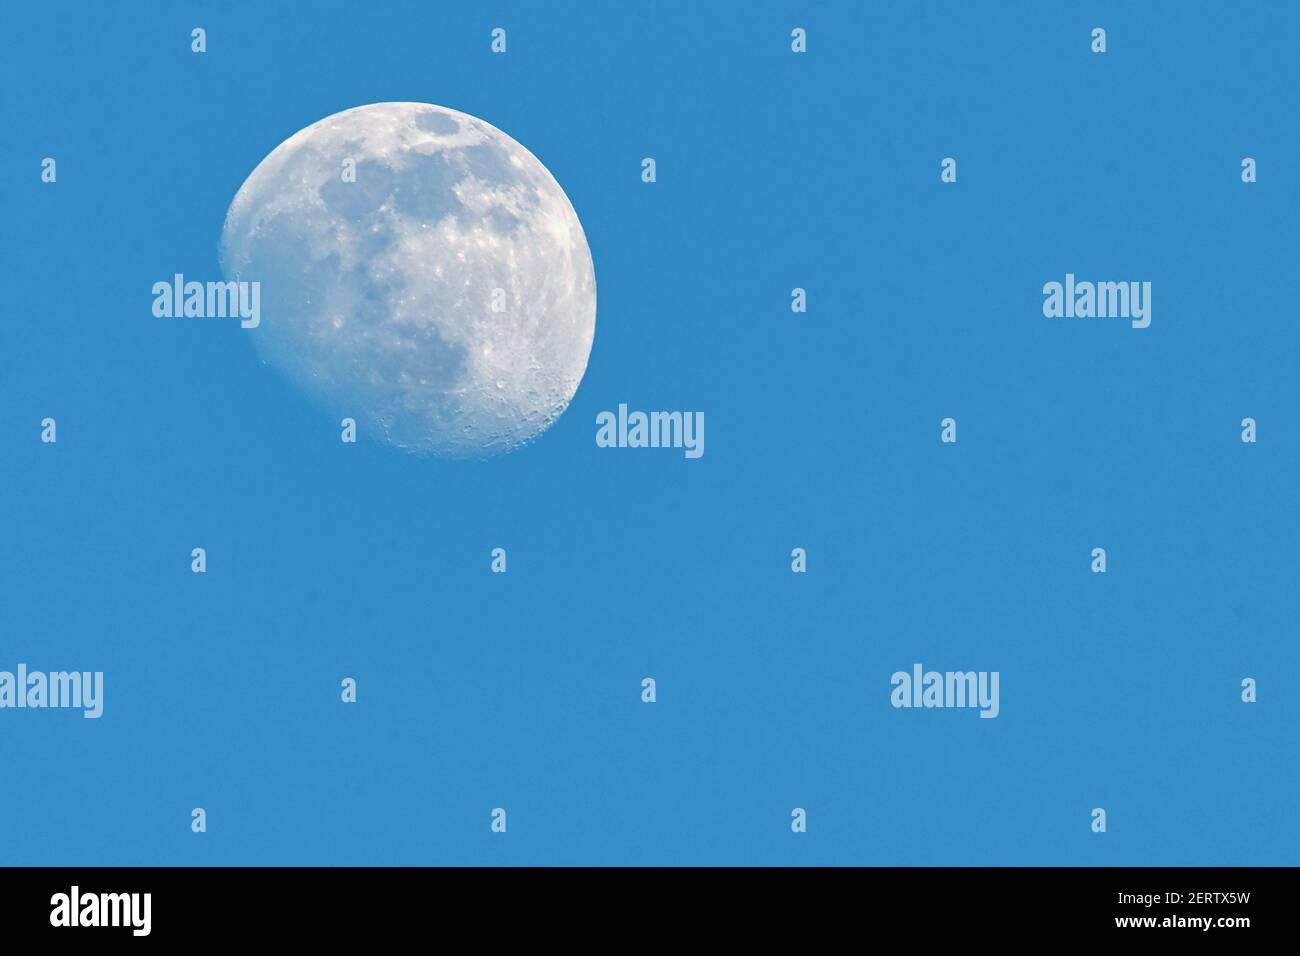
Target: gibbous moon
420 272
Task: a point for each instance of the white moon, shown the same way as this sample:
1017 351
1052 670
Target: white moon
445 298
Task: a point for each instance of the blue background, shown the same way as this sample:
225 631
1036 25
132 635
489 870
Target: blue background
523 690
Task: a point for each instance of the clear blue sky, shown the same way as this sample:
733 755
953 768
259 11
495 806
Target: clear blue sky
523 690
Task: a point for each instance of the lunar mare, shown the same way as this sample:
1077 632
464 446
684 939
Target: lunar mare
445 298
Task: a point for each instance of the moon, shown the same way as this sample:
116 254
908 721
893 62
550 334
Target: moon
420 272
